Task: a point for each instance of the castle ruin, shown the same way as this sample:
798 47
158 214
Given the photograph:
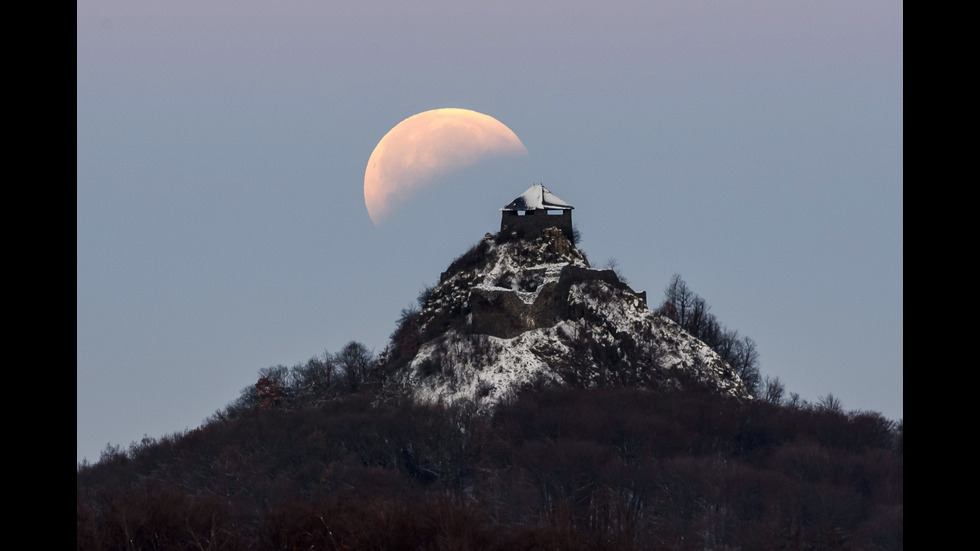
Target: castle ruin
532 212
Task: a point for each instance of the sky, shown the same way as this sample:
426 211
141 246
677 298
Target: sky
754 147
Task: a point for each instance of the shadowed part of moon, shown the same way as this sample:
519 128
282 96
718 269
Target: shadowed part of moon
424 147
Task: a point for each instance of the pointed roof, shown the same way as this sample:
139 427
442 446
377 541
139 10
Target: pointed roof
537 197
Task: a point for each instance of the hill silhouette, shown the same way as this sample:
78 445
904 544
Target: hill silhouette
631 429
556 468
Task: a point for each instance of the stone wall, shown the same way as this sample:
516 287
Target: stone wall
533 223
503 314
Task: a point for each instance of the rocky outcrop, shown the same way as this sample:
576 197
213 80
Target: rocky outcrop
513 312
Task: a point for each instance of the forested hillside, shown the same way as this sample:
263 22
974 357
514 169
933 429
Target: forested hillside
328 455
554 468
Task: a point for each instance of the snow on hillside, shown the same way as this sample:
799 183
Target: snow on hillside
608 337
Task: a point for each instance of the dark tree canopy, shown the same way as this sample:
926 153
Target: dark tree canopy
558 468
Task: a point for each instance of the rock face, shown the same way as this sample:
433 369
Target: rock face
510 313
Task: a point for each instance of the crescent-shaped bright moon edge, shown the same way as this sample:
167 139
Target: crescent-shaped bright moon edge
424 147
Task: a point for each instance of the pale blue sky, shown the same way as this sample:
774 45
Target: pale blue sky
754 147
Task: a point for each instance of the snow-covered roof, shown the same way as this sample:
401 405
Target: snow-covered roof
537 197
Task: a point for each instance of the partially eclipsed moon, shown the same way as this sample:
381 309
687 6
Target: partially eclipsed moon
424 147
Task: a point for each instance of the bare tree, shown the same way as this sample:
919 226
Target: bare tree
774 391
356 361
830 403
678 300
316 379
745 361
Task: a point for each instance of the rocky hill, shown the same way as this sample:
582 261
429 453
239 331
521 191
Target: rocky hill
516 312
600 452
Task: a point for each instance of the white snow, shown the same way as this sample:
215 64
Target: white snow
537 197
487 369
512 363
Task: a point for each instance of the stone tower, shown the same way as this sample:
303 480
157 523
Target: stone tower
532 212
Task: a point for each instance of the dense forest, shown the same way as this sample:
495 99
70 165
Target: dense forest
556 468
319 456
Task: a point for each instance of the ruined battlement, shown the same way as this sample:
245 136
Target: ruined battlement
532 212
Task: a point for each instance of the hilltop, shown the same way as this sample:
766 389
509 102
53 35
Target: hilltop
510 312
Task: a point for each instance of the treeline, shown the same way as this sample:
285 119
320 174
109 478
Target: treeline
555 468
312 384
691 312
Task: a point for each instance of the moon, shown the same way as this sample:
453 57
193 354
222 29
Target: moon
424 147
